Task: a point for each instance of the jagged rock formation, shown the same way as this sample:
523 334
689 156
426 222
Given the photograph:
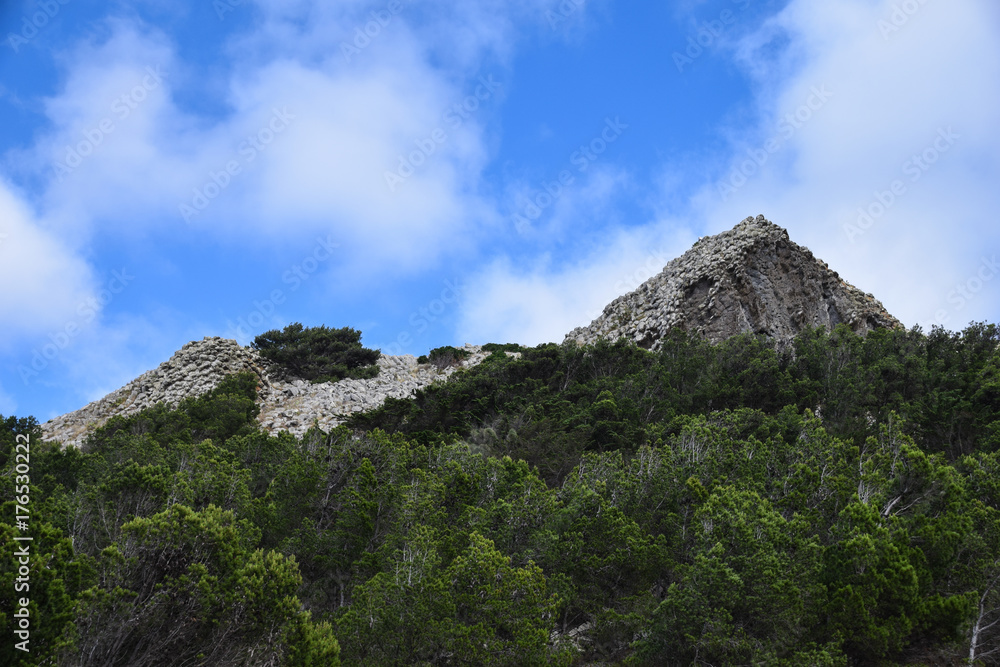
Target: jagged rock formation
292 406
751 278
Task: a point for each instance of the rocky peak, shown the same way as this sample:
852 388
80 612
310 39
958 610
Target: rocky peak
752 278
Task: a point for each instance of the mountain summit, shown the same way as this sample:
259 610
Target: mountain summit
752 278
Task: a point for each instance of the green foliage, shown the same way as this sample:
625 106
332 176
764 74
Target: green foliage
502 614
503 347
836 503
479 609
224 412
12 427
55 580
185 587
443 357
318 354
744 593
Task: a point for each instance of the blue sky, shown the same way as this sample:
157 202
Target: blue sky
438 173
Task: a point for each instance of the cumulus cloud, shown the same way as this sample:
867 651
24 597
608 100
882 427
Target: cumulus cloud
381 157
103 160
538 301
46 283
380 140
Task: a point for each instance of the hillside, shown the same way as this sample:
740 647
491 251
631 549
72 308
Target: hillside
725 503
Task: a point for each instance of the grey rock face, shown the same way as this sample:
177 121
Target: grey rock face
292 406
751 278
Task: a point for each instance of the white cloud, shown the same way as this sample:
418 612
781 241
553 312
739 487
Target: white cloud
541 303
102 159
345 126
373 155
45 281
539 299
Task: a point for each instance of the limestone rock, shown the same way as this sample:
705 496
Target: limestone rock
752 278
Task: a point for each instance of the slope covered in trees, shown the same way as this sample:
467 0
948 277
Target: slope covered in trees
726 504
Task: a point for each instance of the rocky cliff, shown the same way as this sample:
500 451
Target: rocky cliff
292 406
752 278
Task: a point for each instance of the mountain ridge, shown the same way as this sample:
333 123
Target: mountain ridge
751 278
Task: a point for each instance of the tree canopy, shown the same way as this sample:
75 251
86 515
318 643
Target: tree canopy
319 354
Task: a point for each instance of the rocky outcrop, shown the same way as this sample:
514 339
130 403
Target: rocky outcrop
286 405
752 278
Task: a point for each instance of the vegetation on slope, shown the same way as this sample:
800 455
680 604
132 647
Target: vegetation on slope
318 354
700 505
443 357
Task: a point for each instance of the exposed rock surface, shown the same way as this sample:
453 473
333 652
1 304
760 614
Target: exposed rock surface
292 406
751 278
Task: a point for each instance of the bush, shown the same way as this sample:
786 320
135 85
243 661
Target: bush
318 354
443 357
503 347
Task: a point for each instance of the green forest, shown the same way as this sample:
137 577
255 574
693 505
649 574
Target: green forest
834 501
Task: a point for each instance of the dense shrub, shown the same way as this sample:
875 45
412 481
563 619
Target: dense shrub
443 357
318 354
